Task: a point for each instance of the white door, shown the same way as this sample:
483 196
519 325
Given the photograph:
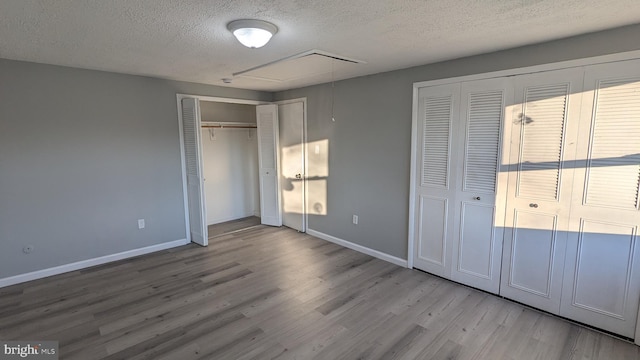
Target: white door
267 121
602 274
435 183
478 224
545 116
291 119
193 168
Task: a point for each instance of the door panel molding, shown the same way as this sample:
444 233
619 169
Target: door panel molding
517 230
442 230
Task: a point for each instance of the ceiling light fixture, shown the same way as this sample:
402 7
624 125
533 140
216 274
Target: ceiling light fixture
252 33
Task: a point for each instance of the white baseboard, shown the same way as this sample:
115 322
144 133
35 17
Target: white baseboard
363 249
39 274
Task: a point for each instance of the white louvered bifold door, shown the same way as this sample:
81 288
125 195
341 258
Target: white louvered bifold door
438 112
193 167
544 124
477 239
267 120
602 274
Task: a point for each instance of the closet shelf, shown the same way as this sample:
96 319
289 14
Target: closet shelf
228 125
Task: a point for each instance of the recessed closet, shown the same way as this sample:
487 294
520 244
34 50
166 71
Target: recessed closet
230 161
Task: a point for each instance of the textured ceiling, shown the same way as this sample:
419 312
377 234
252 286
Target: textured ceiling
188 40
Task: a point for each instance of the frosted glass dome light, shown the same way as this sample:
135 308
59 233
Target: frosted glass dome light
252 33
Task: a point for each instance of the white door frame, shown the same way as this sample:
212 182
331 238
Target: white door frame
179 98
305 214
511 72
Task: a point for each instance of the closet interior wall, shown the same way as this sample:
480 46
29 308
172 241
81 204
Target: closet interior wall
230 161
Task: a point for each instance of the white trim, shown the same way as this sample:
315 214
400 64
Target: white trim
305 140
412 179
39 274
223 100
183 164
305 156
291 101
359 248
630 55
203 192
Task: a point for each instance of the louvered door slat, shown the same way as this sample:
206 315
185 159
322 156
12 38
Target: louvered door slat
195 188
190 143
614 159
436 139
542 135
483 137
267 145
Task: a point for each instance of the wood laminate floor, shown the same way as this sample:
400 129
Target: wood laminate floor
274 293
227 227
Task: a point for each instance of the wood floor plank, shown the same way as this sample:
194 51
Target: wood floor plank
232 226
274 293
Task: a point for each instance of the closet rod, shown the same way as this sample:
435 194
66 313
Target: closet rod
230 126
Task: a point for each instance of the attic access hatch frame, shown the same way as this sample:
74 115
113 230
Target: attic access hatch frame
302 55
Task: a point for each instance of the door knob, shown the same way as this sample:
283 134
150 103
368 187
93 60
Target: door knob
298 176
476 198
533 205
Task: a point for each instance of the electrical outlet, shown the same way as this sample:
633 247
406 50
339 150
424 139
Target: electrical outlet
140 223
28 249
355 219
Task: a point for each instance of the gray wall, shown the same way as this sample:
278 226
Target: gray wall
369 142
227 112
83 155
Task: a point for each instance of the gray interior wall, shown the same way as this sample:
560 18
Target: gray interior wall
227 112
83 155
369 142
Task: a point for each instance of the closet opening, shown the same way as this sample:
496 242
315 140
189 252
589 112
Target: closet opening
243 164
230 166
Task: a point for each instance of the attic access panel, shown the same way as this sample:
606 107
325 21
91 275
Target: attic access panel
305 65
